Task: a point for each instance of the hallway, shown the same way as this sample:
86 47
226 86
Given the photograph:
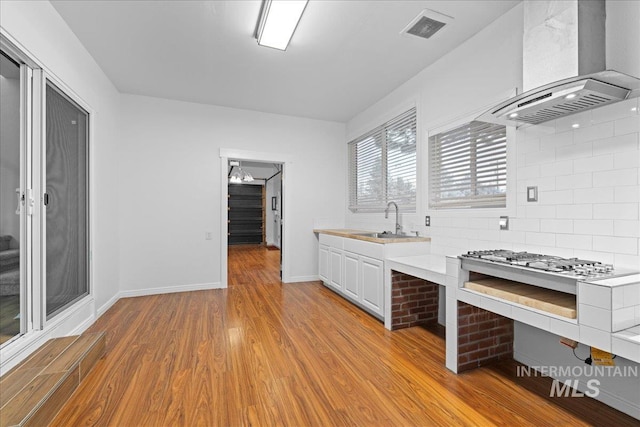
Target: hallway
253 264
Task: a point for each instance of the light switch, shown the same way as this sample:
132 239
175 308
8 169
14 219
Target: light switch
532 194
427 221
208 235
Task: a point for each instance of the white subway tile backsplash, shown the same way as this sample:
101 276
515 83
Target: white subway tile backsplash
627 194
626 228
562 197
552 169
593 132
540 157
539 211
593 164
622 245
529 172
525 224
627 159
575 241
617 144
563 226
588 194
582 180
603 257
631 262
541 239
576 151
627 125
578 211
614 178
595 227
615 211
518 237
553 141
593 195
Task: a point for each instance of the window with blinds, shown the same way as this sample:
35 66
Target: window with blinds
468 167
382 166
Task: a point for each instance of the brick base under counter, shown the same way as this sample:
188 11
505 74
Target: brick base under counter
413 301
483 337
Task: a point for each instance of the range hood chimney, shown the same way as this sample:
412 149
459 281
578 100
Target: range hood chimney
564 64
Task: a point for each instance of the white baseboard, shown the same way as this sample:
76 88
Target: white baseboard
296 279
604 396
170 289
106 306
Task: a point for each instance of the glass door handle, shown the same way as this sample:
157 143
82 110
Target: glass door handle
46 199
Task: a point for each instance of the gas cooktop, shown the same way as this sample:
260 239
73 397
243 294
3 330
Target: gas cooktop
548 263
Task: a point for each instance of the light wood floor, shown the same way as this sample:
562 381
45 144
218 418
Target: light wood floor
265 353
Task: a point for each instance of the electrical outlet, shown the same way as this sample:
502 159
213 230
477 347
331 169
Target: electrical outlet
208 235
532 194
427 221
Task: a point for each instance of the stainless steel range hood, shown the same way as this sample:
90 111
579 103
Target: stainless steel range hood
564 65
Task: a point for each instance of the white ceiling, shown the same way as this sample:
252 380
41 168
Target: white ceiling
344 56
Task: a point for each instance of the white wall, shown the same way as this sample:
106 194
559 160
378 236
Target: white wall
9 157
587 178
273 216
39 29
170 191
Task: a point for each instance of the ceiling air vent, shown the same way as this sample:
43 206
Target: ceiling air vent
426 24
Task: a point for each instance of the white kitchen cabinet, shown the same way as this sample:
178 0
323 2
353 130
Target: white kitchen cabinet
372 278
335 271
354 268
352 275
323 262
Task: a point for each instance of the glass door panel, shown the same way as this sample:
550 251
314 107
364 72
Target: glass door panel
66 201
11 171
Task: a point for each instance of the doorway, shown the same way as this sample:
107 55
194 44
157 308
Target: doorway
271 173
254 200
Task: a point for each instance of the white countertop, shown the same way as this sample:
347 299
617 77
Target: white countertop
428 266
630 279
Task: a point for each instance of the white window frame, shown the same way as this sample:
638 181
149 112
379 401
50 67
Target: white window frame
471 202
407 116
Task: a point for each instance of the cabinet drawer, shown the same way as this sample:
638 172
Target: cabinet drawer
331 241
373 250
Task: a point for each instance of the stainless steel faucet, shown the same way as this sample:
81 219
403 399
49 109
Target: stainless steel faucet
386 215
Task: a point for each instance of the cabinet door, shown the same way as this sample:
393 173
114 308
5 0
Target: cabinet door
323 263
335 269
371 273
351 275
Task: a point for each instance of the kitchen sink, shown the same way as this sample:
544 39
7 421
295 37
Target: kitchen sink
384 235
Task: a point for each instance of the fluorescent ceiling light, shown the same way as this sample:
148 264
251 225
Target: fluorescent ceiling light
278 21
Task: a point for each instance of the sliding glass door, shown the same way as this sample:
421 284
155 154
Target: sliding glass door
12 172
66 201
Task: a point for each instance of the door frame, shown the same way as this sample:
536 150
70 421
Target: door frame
227 154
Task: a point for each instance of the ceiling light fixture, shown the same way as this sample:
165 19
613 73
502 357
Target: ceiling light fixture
278 21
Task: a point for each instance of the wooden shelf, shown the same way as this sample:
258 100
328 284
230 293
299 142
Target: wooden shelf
555 302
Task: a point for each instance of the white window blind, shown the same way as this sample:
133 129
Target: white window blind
468 166
382 166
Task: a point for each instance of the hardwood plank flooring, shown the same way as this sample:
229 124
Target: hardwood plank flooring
265 353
